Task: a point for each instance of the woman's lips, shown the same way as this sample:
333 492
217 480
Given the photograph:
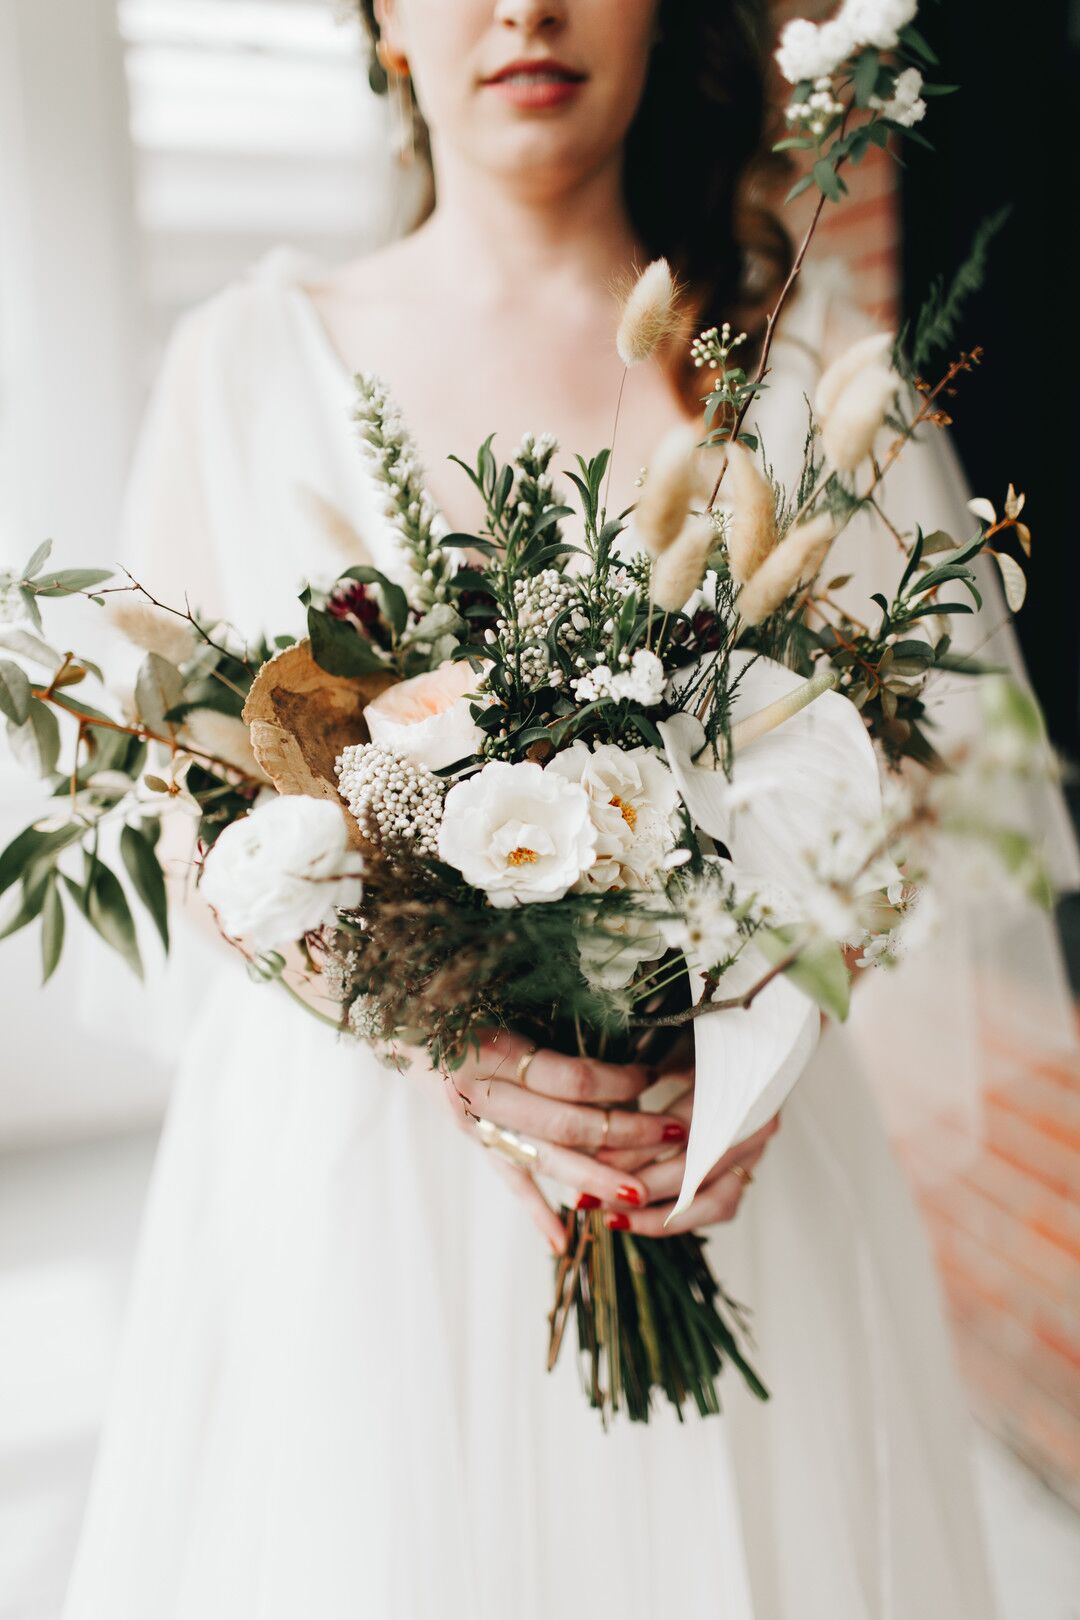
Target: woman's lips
536 88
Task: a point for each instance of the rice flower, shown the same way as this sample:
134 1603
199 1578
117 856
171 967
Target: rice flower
670 486
208 731
649 314
679 571
150 628
795 560
751 535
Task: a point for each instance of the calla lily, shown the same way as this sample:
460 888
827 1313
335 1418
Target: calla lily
793 789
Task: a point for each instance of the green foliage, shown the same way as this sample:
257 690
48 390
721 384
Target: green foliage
940 313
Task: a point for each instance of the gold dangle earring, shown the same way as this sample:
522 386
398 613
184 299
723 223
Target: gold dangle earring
396 67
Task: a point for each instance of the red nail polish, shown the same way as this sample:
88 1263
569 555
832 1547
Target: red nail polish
675 1133
588 1201
617 1222
628 1195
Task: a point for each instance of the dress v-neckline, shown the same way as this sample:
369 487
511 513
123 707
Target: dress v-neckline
347 378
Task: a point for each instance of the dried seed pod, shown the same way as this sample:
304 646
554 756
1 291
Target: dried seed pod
649 314
670 485
751 534
795 560
679 571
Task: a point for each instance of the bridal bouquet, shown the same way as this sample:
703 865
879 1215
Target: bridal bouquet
606 789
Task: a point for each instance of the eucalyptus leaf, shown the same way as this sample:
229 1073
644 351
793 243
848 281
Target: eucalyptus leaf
14 692
52 930
30 846
38 560
69 580
109 913
29 908
36 743
24 645
159 687
148 880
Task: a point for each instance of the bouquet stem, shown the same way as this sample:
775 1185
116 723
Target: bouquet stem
649 1316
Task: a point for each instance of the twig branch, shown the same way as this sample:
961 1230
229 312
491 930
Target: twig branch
729 1004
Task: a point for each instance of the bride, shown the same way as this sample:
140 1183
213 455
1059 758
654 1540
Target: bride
331 1400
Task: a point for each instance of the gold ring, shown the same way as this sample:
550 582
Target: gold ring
523 1066
507 1143
606 1126
743 1174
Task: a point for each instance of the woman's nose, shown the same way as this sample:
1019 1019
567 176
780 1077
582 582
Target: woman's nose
531 16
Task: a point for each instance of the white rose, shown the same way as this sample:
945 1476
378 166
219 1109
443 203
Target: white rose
518 832
429 719
633 802
282 871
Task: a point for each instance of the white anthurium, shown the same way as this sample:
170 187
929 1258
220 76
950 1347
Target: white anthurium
746 1061
795 789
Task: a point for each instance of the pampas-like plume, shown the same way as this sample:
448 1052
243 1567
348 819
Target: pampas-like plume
795 560
210 732
148 627
751 534
680 569
670 485
649 314
869 351
848 432
851 400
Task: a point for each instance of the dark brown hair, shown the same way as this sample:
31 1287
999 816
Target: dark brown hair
698 176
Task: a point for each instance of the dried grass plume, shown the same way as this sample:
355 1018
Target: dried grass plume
150 628
649 314
794 561
751 534
679 571
672 481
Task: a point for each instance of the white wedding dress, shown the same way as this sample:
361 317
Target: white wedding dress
331 1400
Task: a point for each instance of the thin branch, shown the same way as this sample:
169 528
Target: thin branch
729 1004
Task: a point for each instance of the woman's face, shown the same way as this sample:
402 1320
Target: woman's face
546 128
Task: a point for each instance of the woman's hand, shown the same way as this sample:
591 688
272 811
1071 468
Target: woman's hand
635 1162
561 1107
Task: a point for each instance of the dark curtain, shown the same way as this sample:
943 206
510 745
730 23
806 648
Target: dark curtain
1009 135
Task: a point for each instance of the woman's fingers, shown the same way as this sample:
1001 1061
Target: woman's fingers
716 1200
569 1124
555 1074
543 1217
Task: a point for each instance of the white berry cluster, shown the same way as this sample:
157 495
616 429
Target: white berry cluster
819 108
366 1019
640 680
393 800
338 973
417 525
712 347
538 601
905 106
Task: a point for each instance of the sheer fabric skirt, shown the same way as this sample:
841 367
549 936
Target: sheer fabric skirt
331 1398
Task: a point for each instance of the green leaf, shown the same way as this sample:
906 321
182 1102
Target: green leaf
827 179
819 971
32 901
799 187
911 37
148 880
25 645
159 687
14 692
339 648
865 79
52 930
38 560
36 743
110 914
30 607
31 845
394 601
69 580
472 542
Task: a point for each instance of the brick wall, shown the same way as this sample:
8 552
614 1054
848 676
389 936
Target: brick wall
1006 1228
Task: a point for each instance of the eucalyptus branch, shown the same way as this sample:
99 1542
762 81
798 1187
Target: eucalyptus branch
144 734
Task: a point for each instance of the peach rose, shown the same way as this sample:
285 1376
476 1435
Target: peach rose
429 718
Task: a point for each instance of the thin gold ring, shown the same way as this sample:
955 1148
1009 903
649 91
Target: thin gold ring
523 1067
743 1174
606 1126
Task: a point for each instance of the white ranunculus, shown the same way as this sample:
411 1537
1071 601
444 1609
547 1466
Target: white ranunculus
518 832
282 871
633 803
429 719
